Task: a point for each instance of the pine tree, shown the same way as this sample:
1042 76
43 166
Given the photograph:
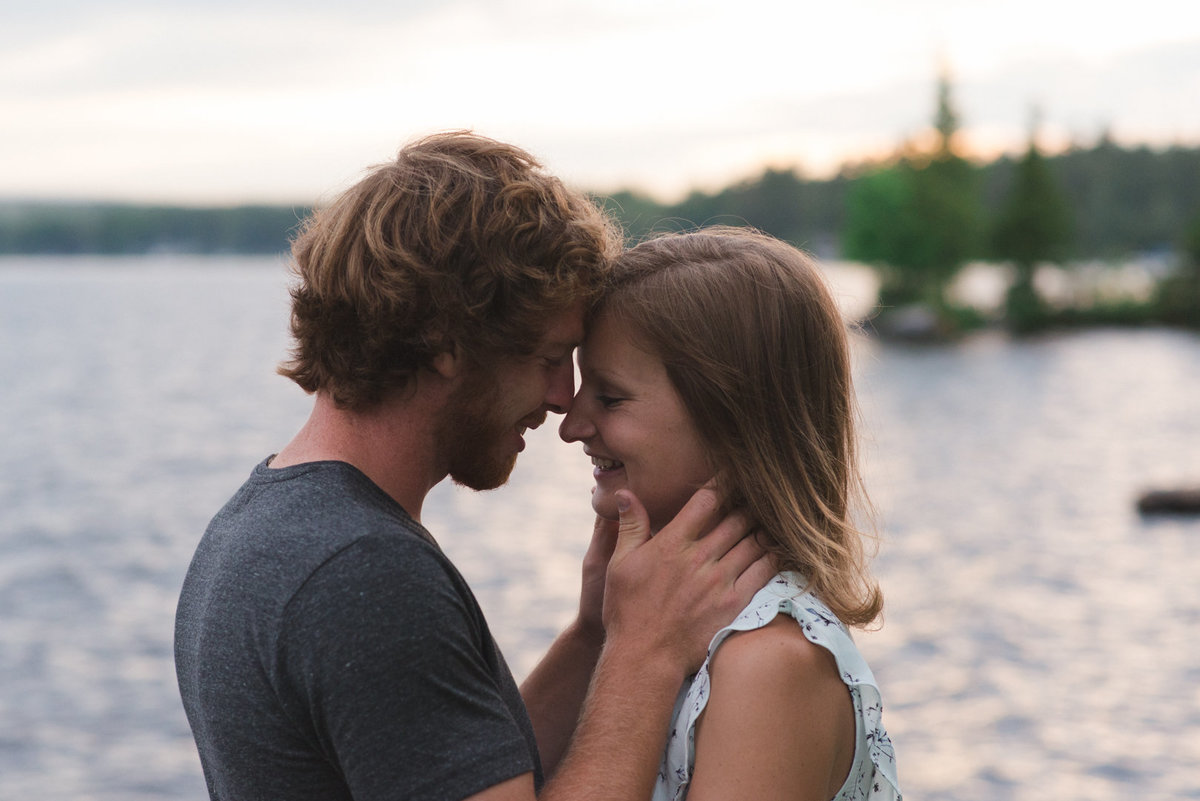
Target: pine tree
917 219
1033 226
1178 298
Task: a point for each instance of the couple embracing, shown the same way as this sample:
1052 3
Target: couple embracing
325 646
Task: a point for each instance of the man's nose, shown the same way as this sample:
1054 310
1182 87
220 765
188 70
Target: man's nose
561 392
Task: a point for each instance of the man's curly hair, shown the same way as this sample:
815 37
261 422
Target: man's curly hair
462 241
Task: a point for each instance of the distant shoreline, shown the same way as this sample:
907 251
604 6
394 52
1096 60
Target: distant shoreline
1125 201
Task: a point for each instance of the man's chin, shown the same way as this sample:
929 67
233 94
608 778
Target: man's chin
481 475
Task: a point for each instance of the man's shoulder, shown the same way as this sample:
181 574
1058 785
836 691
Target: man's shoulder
322 504
283 527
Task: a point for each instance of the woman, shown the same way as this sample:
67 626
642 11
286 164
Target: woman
720 355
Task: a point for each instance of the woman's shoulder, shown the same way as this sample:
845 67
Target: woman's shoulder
774 694
786 644
777 654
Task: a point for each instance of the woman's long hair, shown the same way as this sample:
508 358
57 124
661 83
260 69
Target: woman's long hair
757 349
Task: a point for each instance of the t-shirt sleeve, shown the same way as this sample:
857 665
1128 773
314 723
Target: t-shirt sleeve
385 657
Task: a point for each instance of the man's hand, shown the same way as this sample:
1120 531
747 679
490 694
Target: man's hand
663 601
555 689
671 593
595 570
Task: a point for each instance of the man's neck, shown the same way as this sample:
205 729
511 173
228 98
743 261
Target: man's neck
393 444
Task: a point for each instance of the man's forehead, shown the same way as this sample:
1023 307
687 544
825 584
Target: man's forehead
565 328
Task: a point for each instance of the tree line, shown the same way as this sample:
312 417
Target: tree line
63 228
917 217
1123 201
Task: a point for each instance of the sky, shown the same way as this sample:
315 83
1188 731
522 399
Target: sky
217 102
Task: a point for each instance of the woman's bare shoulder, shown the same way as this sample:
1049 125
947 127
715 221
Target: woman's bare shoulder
779 722
777 652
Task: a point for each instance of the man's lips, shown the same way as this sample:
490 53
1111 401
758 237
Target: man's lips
532 421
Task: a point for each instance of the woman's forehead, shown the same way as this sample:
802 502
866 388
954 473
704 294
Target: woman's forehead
612 348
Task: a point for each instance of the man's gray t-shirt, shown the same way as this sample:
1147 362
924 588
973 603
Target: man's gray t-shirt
327 649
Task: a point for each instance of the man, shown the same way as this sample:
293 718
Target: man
325 647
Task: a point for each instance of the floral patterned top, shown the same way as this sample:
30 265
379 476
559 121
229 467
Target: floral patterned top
873 773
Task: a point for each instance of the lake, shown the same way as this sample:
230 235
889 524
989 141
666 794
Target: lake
1040 642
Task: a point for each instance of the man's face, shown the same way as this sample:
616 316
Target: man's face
483 425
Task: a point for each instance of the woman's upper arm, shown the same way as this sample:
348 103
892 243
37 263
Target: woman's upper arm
779 723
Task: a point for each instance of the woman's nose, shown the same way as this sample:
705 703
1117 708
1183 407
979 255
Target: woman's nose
575 426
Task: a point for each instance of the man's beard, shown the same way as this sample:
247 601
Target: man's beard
471 436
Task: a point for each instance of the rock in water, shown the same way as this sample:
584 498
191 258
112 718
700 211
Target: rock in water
1174 501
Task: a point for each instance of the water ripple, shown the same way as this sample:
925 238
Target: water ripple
1039 638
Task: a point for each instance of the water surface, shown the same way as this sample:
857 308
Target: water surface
1039 639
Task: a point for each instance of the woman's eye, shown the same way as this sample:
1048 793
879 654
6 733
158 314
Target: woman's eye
608 401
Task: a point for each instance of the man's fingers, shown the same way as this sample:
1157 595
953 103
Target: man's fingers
634 528
604 540
605 531
696 517
741 554
757 574
726 534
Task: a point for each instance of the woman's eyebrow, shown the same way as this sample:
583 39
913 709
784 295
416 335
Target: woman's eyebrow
605 378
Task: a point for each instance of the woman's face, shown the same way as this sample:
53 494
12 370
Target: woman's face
633 425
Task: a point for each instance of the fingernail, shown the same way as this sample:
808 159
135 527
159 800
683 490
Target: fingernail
622 503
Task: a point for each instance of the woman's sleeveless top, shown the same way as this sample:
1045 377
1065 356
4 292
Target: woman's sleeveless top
873 773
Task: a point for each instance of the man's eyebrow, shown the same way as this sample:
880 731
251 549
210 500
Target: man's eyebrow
567 345
555 351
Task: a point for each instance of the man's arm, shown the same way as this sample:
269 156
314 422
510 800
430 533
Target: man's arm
665 598
554 692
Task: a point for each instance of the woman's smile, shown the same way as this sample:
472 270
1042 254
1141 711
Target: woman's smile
606 465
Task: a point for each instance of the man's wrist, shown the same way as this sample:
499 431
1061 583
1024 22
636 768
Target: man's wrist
619 740
654 664
587 633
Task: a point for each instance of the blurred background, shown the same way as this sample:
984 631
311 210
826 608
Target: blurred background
1006 200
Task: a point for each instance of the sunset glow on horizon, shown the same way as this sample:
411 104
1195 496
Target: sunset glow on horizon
269 102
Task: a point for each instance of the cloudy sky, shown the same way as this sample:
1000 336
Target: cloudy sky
229 101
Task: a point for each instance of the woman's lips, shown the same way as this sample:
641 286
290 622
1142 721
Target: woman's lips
604 465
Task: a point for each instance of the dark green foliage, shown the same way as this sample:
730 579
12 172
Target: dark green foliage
919 223
1024 309
780 202
1034 225
1190 243
880 220
1178 295
1124 201
918 220
112 229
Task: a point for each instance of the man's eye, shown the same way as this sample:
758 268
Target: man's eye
608 401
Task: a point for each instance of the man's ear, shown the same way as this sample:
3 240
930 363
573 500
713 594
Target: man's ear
448 363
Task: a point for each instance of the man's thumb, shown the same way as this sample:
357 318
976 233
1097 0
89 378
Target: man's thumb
634 528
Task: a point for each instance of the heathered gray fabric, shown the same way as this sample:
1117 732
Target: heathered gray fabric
327 649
